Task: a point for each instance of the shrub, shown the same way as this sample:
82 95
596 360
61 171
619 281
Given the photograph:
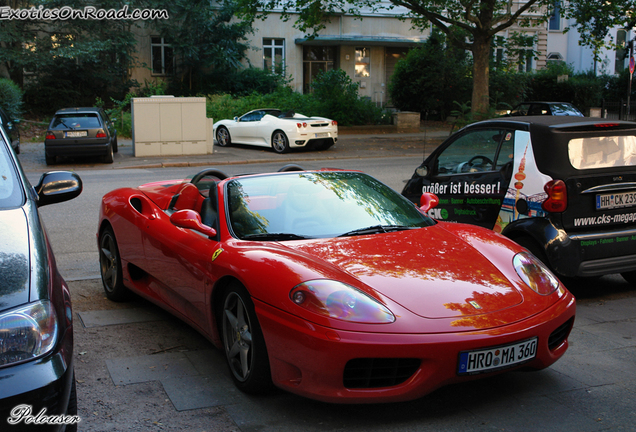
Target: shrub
431 77
10 98
335 97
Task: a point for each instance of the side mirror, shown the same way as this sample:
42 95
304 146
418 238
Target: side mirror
191 220
422 171
428 201
235 118
58 186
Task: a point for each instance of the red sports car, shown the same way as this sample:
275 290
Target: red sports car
331 285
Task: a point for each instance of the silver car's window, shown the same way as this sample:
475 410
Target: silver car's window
11 195
602 152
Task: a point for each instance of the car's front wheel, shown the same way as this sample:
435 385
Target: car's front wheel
223 136
280 143
244 344
110 266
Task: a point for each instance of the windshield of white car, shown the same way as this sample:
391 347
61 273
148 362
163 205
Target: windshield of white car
298 205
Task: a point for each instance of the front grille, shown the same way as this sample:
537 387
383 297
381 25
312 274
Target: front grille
560 334
379 372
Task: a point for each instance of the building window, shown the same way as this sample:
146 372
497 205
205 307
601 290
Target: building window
274 55
621 51
161 56
555 19
317 59
525 60
363 62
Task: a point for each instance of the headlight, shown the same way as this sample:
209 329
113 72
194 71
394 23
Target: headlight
27 332
534 273
337 300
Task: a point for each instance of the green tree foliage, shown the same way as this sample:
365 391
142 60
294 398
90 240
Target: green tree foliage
68 62
430 78
207 41
595 18
10 98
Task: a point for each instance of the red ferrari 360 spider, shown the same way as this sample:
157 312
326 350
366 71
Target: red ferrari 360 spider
331 285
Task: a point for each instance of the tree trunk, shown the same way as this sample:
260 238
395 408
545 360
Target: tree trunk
481 76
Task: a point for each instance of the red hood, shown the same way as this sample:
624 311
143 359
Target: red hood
429 271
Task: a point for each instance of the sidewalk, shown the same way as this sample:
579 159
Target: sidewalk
372 145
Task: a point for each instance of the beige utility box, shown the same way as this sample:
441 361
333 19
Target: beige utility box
170 126
407 121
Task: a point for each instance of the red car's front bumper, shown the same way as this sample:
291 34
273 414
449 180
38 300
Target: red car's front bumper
310 360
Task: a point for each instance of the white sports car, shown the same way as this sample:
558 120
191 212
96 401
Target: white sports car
277 129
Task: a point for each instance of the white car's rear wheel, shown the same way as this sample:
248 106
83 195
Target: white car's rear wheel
223 136
280 143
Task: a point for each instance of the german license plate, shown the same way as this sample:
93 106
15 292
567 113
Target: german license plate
491 359
76 134
615 200
322 134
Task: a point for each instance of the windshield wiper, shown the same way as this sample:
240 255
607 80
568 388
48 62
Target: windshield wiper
275 236
375 229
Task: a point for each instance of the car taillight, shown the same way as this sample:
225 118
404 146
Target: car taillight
299 125
557 200
100 134
49 136
605 125
334 123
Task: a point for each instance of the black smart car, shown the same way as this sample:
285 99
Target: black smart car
563 187
80 132
36 318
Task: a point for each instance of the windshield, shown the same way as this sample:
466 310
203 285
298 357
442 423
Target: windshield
10 192
317 205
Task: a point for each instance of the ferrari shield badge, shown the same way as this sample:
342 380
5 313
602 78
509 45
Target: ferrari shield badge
216 254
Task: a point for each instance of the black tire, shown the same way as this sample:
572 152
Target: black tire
71 410
110 267
534 248
108 157
223 137
245 349
280 143
17 149
115 145
50 160
630 277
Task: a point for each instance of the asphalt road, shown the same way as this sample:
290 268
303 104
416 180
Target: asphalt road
140 369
